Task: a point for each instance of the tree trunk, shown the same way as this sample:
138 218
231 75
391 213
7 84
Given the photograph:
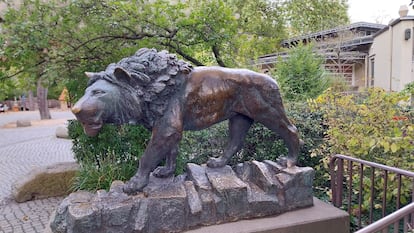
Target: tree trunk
42 101
30 101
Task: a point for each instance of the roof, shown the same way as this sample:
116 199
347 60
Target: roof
347 55
393 23
354 26
355 48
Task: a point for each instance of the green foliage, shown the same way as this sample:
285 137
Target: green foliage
7 88
262 144
311 130
301 75
28 31
55 90
260 29
375 126
337 83
306 16
198 146
409 89
112 155
92 177
58 40
372 126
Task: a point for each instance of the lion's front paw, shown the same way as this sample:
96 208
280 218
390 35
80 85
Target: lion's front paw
135 184
216 162
163 172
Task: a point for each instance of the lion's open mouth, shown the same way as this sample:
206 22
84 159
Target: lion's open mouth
92 129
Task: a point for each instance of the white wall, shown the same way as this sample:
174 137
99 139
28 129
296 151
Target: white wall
381 53
402 71
393 57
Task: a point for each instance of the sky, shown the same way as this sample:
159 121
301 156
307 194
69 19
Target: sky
376 11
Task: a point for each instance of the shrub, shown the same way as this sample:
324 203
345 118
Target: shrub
112 155
301 75
374 126
198 146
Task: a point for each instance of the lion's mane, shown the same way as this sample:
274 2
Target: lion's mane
155 79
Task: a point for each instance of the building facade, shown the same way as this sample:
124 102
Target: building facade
345 49
391 56
364 54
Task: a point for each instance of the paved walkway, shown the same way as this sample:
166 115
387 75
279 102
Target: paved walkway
22 149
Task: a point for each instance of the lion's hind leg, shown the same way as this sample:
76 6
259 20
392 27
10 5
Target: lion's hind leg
170 165
278 122
238 127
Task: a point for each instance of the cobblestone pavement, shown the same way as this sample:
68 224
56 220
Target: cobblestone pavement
22 149
31 216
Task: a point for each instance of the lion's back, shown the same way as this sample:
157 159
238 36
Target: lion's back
213 94
241 77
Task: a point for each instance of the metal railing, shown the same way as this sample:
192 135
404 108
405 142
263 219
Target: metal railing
356 185
394 220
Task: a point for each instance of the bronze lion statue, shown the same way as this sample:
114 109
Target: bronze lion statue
168 96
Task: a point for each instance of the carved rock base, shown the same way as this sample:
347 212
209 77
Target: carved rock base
202 196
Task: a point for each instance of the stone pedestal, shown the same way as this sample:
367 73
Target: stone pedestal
202 196
320 218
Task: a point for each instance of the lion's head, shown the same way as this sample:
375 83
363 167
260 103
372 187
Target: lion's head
137 89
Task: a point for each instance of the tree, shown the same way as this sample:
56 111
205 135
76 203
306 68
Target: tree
61 39
76 36
26 35
306 16
301 75
261 28
203 32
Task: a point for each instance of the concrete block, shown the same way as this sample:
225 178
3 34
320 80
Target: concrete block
49 181
23 123
62 132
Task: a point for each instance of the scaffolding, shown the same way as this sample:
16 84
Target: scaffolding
342 48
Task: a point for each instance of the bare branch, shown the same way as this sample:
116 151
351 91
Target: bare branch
21 71
183 54
137 37
216 52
